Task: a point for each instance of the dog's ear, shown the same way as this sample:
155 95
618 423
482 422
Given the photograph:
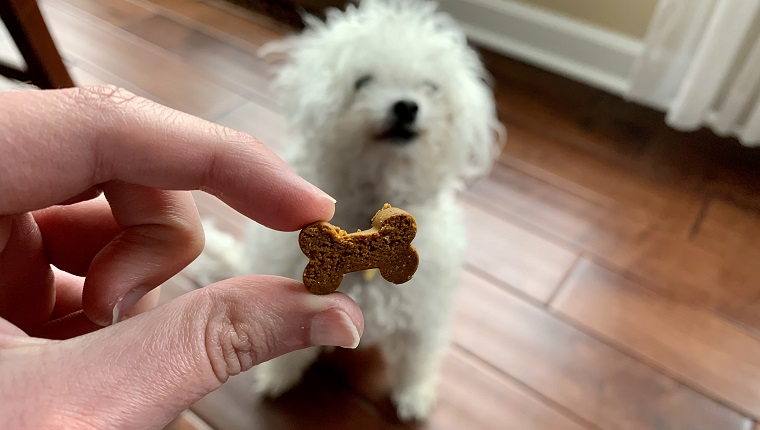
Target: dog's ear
276 53
477 125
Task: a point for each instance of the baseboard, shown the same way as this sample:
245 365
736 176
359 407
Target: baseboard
594 55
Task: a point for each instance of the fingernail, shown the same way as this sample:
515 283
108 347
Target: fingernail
126 303
334 328
325 195
329 197
320 192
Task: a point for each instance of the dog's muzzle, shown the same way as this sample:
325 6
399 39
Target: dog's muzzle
402 124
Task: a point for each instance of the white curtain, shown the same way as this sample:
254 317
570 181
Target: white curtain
701 64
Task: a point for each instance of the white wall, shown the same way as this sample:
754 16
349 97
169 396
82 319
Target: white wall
630 17
592 41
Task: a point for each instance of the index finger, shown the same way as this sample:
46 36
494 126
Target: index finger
57 144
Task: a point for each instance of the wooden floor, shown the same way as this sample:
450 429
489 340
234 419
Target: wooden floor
613 281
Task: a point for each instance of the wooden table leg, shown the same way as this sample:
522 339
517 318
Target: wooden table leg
26 25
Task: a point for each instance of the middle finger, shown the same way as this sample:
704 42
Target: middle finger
161 234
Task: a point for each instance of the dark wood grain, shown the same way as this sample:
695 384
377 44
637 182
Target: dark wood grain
700 160
666 206
317 403
239 68
116 12
582 374
505 252
93 45
265 123
727 226
569 111
94 77
667 333
471 394
474 396
247 30
668 262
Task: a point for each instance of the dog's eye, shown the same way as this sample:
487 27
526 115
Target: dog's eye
363 81
432 86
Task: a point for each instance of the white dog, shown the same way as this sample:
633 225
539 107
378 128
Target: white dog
385 102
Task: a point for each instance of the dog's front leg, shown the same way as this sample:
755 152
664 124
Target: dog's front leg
414 359
279 375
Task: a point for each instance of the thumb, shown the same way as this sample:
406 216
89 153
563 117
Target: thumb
144 371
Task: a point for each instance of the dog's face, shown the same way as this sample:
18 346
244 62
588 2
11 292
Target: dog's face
391 80
389 104
392 110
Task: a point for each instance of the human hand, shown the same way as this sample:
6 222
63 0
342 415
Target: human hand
63 147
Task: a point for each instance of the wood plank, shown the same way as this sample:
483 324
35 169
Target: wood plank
94 45
318 402
699 348
265 123
239 68
473 396
560 215
669 263
116 12
240 27
566 110
667 206
729 229
507 253
94 77
582 374
724 167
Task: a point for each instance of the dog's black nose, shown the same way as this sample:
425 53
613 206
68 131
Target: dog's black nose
405 111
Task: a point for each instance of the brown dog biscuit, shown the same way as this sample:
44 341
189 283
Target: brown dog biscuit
386 246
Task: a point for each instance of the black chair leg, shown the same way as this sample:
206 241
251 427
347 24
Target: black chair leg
26 25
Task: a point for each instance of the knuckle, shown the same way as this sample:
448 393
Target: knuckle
185 231
233 343
184 240
111 104
104 96
237 143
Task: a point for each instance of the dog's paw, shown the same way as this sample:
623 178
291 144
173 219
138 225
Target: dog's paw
222 257
276 376
415 402
274 384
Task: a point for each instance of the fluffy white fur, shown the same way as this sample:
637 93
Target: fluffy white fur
411 53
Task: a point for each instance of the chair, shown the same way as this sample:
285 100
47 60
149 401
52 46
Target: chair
44 66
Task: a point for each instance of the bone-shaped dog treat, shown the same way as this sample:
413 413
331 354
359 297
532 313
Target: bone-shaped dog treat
386 246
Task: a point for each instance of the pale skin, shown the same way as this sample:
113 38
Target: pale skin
65 364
